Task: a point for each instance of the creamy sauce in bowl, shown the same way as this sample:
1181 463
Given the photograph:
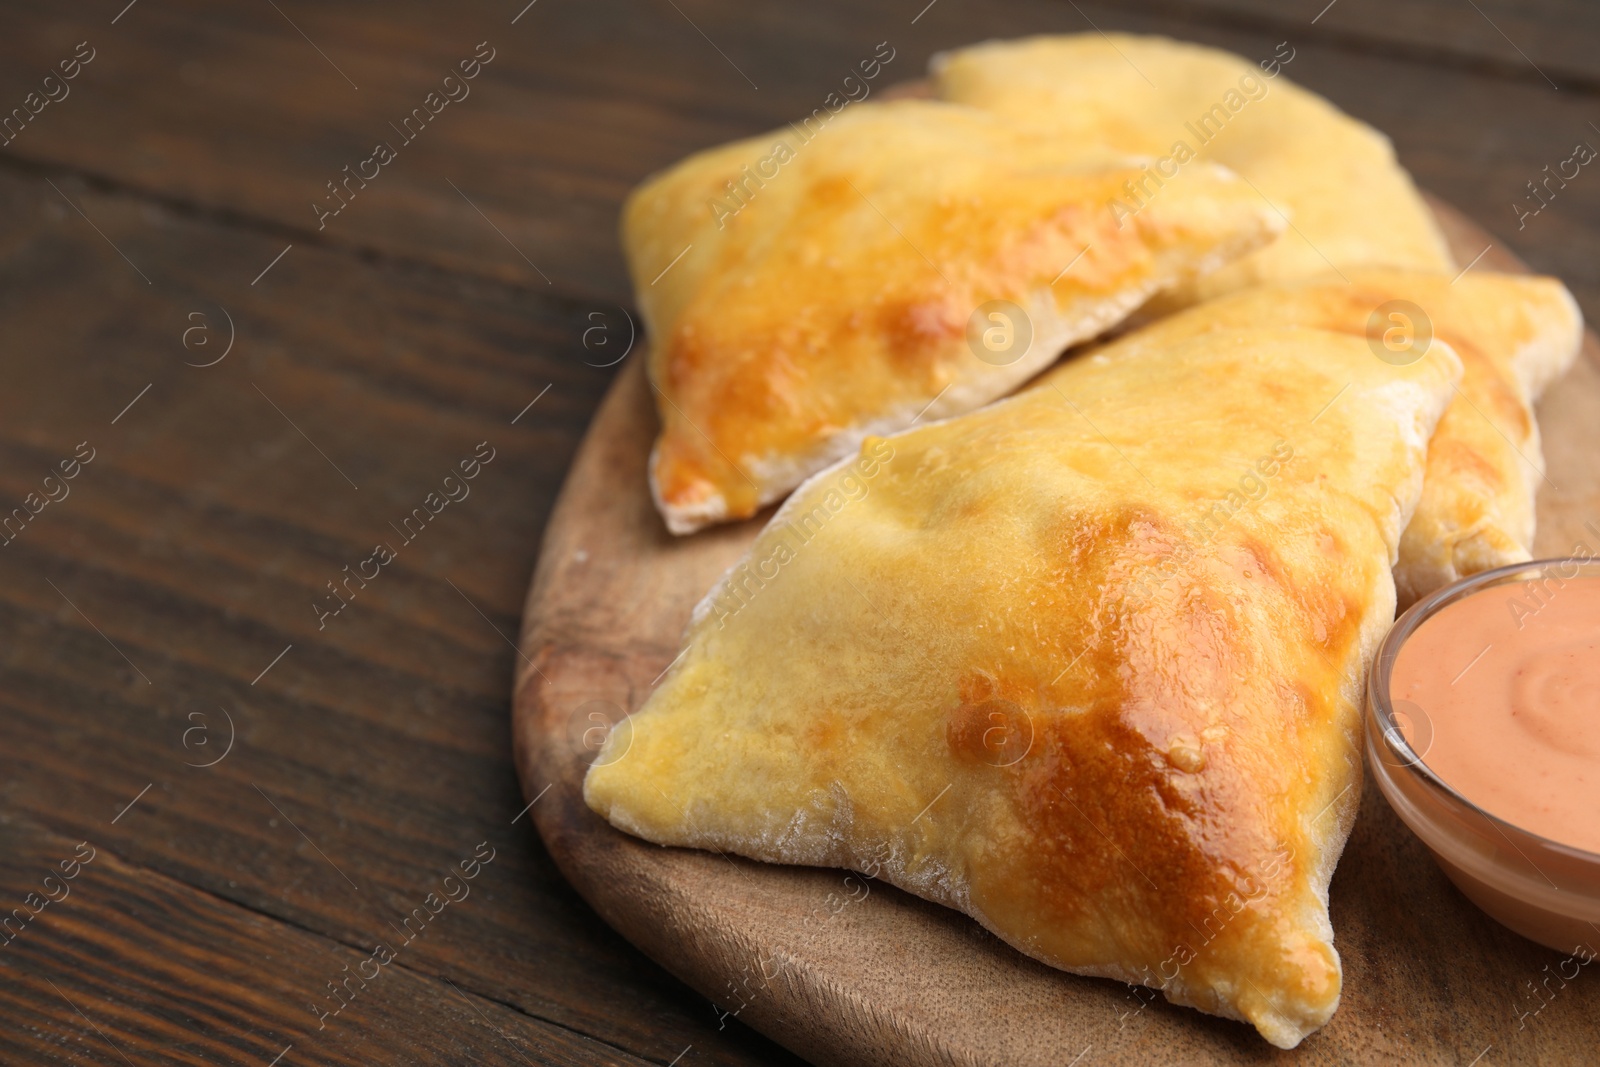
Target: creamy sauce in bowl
1498 693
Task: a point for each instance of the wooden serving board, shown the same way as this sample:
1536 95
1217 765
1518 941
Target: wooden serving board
844 970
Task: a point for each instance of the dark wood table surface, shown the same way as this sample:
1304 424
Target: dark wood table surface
171 605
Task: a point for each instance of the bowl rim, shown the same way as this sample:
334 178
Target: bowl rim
1380 709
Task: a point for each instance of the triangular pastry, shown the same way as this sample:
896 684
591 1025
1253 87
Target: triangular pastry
809 287
1347 199
1085 664
1514 333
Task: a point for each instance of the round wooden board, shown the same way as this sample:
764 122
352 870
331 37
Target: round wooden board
891 979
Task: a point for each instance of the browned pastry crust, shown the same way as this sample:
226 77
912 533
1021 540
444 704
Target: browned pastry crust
1514 333
838 300
1085 664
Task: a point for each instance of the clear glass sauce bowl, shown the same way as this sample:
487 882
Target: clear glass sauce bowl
1544 890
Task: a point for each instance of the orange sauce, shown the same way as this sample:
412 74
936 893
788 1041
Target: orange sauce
1503 703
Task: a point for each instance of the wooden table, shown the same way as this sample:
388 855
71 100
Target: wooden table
174 606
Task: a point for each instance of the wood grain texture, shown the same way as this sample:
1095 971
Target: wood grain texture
214 513
1554 41
241 116
132 964
890 979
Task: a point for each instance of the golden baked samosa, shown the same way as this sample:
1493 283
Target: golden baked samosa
1085 664
806 288
1348 200
1514 333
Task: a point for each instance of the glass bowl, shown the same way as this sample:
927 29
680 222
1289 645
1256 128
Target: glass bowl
1546 891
